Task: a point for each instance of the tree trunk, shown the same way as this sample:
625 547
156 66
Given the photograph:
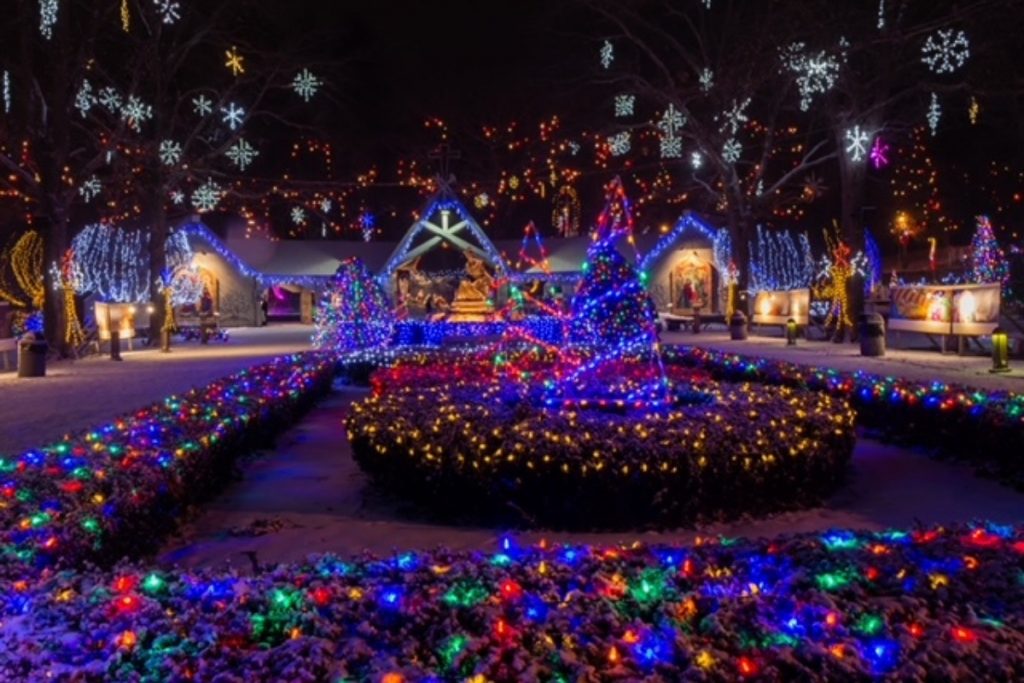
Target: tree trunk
55 239
157 265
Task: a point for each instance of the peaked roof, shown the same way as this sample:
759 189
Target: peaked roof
442 205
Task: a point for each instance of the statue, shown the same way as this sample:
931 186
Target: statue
472 301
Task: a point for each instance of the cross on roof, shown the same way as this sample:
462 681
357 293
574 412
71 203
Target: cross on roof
444 154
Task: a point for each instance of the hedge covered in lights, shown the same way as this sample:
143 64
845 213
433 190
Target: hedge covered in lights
985 428
470 449
116 489
927 604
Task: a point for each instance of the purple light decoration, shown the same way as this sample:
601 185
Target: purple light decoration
879 153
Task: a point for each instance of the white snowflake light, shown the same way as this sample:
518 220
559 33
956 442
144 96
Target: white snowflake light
856 143
169 10
881 14
671 121
707 79
934 114
696 160
945 51
574 147
202 105
815 74
671 147
233 116
169 152
47 17
89 189
607 54
624 105
326 205
735 116
135 112
731 151
242 154
306 85
85 99
620 143
178 197
298 215
109 98
207 196
7 92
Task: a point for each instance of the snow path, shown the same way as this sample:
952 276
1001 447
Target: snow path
313 491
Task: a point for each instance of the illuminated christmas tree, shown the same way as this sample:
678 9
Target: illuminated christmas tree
353 312
988 262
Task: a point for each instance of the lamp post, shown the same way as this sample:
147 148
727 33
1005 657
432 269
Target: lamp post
1000 351
791 331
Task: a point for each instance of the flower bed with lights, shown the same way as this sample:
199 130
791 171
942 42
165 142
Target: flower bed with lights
118 488
980 427
928 604
464 444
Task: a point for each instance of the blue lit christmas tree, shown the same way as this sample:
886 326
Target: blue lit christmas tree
353 313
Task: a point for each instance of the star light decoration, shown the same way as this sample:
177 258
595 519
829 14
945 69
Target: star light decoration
326 205
306 85
202 105
671 146
233 116
624 105
815 74
47 17
89 189
856 143
169 10
207 196
607 54
879 153
934 114
619 143
945 51
242 154
169 152
135 112
234 61
298 215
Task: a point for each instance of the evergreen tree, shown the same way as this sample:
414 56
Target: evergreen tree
988 262
353 312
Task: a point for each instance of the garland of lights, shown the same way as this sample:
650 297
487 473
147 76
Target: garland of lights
25 260
838 605
777 264
112 263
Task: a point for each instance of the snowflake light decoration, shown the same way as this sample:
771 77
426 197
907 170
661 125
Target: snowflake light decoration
735 116
881 14
202 105
815 74
207 196
707 79
169 10
242 154
574 147
879 153
89 189
178 197
945 51
109 98
135 112
619 143
607 54
47 17
696 160
233 116
671 121
169 152
934 114
326 205
671 147
731 151
306 85
234 61
7 91
298 215
856 143
85 99
624 105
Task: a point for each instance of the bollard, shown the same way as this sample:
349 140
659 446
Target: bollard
32 355
1000 351
872 334
115 345
738 326
791 332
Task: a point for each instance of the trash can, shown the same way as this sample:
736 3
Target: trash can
872 334
32 355
738 325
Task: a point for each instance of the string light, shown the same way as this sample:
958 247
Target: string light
234 62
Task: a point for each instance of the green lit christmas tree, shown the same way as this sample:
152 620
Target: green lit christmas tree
988 262
353 313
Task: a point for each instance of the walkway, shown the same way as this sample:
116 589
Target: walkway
78 394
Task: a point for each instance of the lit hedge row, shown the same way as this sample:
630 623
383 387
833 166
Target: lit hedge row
985 428
116 489
466 451
929 604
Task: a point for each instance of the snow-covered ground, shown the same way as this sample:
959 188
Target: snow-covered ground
921 362
78 394
310 496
